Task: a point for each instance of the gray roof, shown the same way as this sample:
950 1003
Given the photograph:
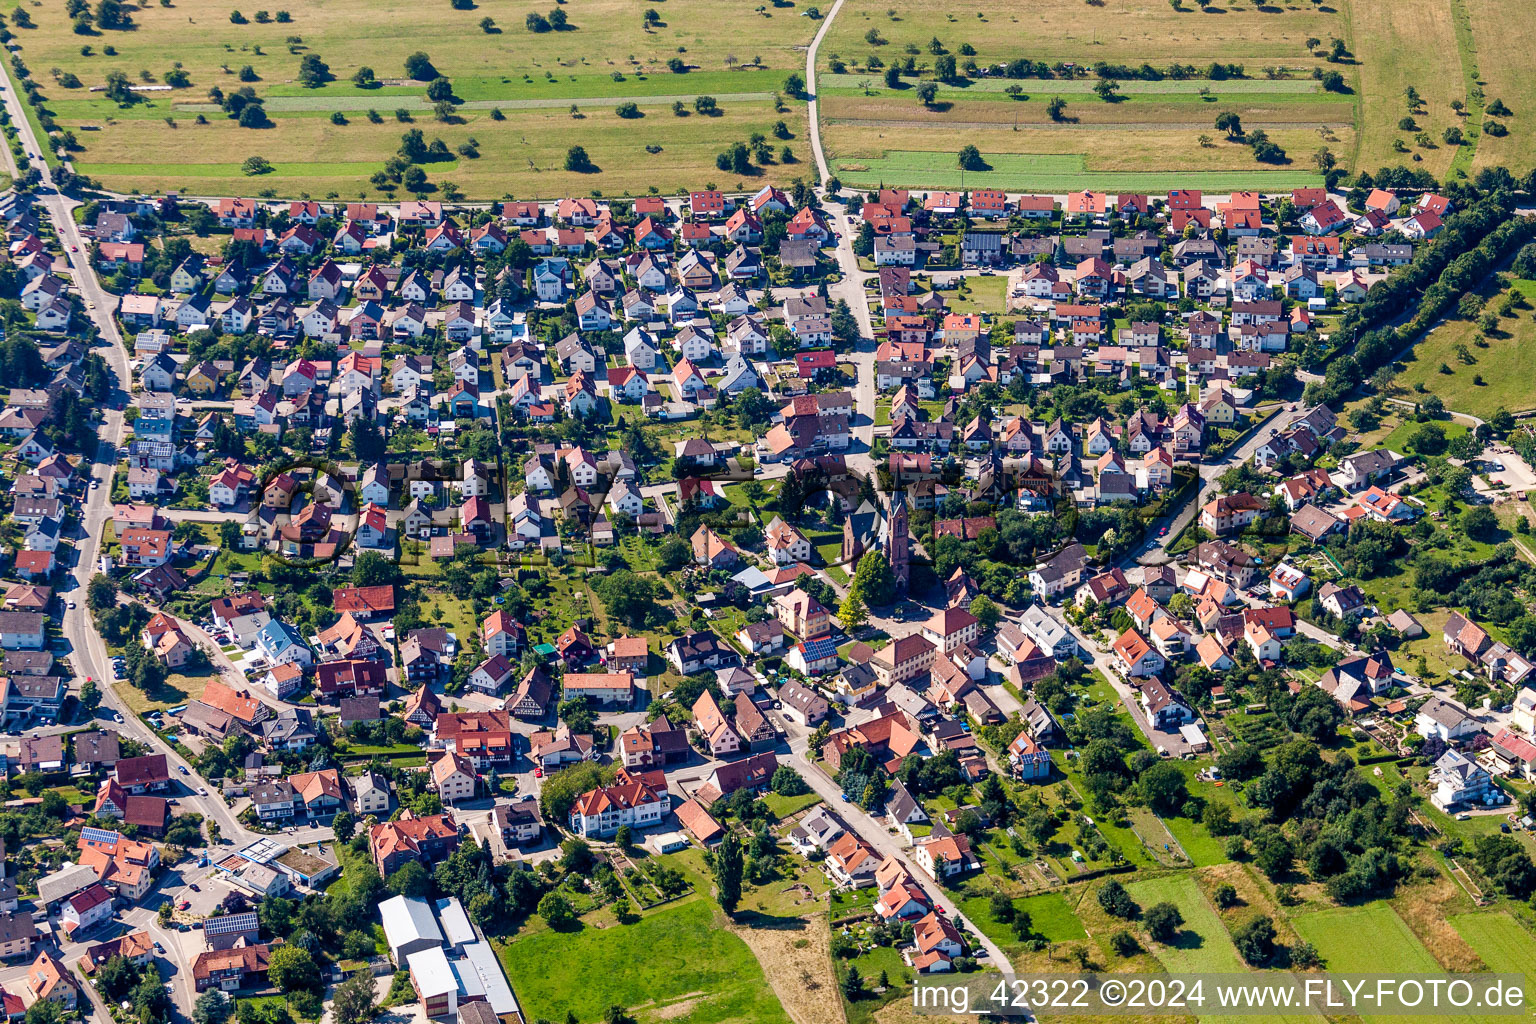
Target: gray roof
66 881
406 920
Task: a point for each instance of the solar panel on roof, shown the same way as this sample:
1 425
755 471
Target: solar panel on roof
100 835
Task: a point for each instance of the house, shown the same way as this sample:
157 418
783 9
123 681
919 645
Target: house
952 628
1047 633
945 856
1231 513
851 862
603 811
1458 781
700 651
429 839
48 978
1136 656
1443 720
1515 752
1341 602
803 705
709 549
905 658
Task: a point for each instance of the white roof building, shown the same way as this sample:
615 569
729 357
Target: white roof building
409 927
456 927
433 975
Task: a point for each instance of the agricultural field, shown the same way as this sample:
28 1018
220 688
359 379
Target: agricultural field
533 80
1154 135
1501 358
1157 134
1502 36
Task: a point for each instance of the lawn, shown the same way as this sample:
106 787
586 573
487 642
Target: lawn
177 689
1504 945
1049 917
678 964
1203 848
737 54
1503 365
1337 931
783 806
1202 943
870 964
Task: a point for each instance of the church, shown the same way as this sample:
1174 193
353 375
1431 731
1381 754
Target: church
872 528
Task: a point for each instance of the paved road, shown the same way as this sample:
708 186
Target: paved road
810 89
88 653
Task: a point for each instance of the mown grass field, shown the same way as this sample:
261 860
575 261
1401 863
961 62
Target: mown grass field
1337 934
739 55
1049 173
1504 365
1367 940
1504 945
677 964
1202 943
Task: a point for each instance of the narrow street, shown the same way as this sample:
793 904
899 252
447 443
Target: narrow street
887 845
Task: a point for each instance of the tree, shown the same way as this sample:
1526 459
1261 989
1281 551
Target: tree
1479 522
90 695
313 72
1230 123
1226 896
100 593
45 1011
853 984
212 1007
1107 89
1057 108
728 873
926 93
291 968
986 611
556 910
352 1002
875 581
439 89
419 67
1116 901
343 826
150 1001
970 159
1000 907
624 837
852 612
1162 921
577 161
1255 939
536 22
1162 787
411 879
794 84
